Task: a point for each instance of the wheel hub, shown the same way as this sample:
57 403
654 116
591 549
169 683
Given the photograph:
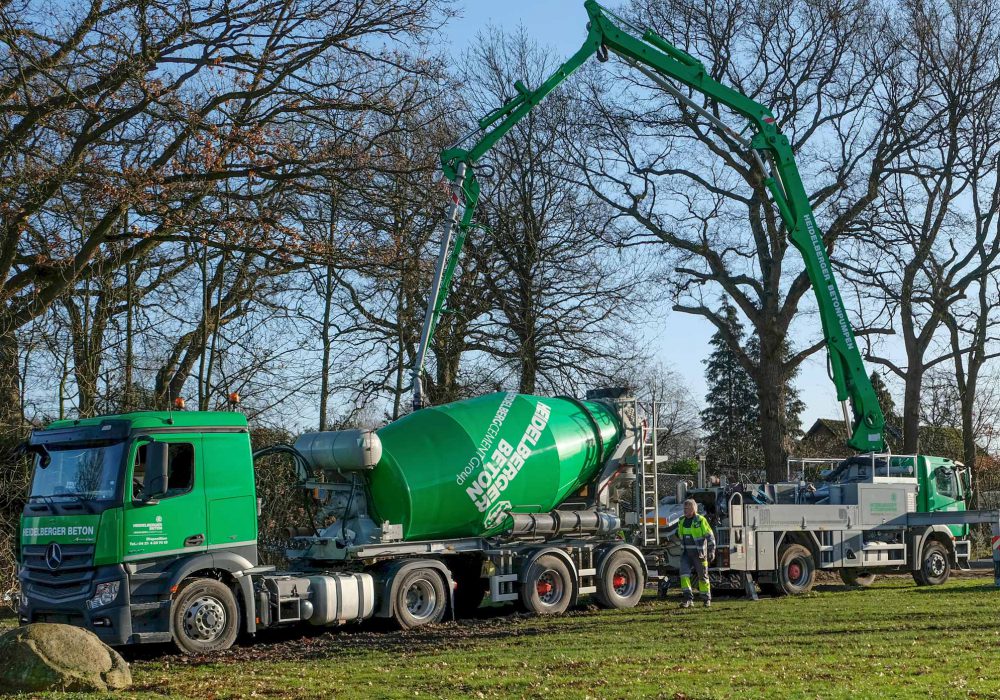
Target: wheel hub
204 619
794 571
623 581
421 599
549 588
935 565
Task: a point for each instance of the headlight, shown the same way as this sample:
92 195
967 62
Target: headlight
104 595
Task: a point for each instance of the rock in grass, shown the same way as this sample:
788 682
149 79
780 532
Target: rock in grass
45 656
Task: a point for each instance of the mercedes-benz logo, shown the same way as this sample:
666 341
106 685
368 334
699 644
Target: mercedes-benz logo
53 556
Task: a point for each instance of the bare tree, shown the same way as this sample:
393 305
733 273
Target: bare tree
672 178
563 306
678 421
155 108
379 257
920 254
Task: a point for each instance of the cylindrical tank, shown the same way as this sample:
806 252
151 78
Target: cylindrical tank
340 450
456 470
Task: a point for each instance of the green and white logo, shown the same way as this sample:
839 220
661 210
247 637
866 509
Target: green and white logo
890 506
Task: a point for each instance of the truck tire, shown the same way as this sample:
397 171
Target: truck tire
622 582
204 617
796 571
547 587
935 566
853 577
420 599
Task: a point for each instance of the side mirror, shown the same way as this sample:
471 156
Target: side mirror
157 465
966 478
26 448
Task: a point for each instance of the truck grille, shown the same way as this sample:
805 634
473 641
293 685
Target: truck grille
72 579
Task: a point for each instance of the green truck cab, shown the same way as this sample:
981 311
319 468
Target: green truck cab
124 508
944 485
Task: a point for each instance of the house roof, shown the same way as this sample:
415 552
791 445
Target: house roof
826 427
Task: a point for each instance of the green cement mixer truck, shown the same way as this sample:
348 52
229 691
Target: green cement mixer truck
143 526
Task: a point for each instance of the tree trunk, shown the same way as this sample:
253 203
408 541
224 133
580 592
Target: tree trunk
446 376
127 390
529 366
86 368
911 408
327 342
771 396
969 443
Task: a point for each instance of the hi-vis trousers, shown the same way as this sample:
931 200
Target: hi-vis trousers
694 561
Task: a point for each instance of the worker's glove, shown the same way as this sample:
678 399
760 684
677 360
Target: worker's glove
711 556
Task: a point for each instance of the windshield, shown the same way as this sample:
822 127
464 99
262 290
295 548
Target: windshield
88 472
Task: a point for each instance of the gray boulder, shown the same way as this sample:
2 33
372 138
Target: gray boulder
45 656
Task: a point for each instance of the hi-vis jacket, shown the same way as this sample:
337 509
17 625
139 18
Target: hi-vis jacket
697 536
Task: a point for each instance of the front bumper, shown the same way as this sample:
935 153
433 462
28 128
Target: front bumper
41 601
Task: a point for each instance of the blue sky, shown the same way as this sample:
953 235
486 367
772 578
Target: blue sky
678 340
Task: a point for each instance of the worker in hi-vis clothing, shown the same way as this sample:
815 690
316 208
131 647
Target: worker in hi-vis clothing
698 543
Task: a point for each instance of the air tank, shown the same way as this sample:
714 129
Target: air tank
458 469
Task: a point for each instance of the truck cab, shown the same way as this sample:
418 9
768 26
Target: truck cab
944 485
123 508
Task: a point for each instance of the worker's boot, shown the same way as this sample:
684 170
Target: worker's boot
708 602
686 604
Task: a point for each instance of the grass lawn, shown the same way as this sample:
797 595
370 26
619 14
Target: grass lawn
892 640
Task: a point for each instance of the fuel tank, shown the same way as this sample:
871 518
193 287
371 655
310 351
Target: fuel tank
458 469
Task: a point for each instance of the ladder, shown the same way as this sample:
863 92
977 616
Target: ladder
648 487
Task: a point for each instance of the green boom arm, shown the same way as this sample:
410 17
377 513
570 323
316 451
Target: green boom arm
659 60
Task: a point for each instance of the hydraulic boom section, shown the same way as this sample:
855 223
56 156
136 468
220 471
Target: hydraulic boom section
662 62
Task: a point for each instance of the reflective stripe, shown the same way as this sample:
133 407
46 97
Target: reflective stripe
696 537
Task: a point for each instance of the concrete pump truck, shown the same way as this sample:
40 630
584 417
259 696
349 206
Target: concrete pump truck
143 526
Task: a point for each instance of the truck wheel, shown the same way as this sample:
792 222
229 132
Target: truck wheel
622 583
935 568
420 599
547 587
204 617
796 571
853 577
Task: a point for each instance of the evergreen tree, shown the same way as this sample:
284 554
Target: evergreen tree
793 406
885 402
731 416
